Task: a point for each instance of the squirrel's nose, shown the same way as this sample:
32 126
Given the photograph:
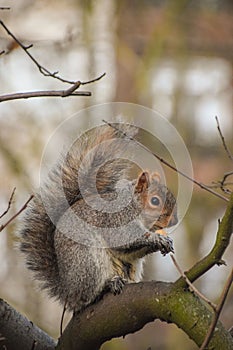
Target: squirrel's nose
173 220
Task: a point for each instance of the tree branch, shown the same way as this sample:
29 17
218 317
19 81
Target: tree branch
9 203
57 93
52 93
191 286
42 69
144 302
17 332
223 140
139 304
49 93
224 233
16 214
222 183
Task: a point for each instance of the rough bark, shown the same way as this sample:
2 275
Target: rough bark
17 332
139 304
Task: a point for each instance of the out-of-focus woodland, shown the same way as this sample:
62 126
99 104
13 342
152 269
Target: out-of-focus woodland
172 56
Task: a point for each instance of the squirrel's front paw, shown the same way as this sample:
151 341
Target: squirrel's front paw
158 242
116 284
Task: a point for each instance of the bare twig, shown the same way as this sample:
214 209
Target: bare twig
18 212
204 187
223 140
226 176
2 52
45 71
42 69
192 287
93 80
218 184
71 89
49 93
9 203
4 8
217 312
222 183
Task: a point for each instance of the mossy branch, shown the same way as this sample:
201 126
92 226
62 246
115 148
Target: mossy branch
115 316
224 233
139 304
144 302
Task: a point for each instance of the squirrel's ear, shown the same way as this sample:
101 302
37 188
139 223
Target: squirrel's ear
143 182
155 177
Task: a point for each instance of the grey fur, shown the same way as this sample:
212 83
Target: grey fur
78 252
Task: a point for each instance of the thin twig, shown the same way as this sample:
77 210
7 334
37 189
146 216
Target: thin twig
217 312
72 89
4 8
44 70
2 52
93 80
218 184
49 93
192 287
9 203
222 183
18 212
223 140
204 187
226 176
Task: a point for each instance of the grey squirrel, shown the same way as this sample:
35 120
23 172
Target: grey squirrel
78 247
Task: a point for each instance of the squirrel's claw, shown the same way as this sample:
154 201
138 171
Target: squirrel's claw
116 284
165 245
161 243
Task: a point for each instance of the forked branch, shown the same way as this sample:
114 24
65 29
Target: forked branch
71 91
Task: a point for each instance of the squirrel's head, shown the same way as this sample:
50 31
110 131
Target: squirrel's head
158 204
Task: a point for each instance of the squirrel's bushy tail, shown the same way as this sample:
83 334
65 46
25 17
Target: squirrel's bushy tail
96 162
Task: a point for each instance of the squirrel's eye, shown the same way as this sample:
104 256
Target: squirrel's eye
155 201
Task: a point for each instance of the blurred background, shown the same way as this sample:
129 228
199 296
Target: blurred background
173 56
